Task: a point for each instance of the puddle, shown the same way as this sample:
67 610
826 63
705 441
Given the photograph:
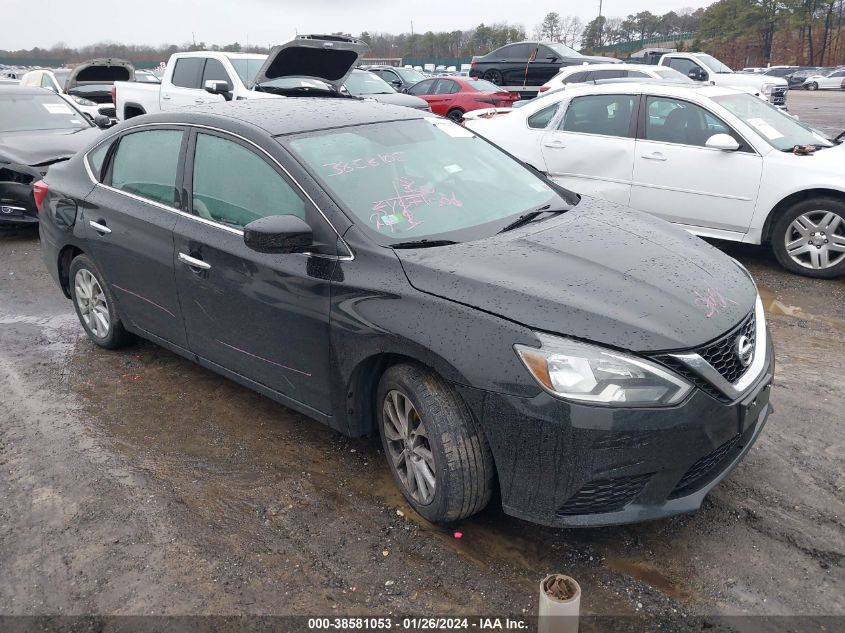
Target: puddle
650 575
773 306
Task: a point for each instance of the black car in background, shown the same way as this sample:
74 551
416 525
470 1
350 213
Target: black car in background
38 129
400 78
528 63
382 270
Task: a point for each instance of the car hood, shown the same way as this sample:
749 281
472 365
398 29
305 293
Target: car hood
599 272
748 80
327 58
44 146
101 72
396 98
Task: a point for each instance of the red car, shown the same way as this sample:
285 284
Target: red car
453 96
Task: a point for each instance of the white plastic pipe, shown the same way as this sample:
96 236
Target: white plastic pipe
560 604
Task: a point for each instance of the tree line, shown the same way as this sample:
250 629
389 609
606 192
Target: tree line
740 32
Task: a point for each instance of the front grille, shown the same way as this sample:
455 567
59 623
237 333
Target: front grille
109 112
705 469
685 372
778 96
722 354
604 495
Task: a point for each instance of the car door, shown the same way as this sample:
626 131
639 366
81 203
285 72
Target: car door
423 89
214 70
443 96
591 150
545 64
686 66
263 316
515 64
679 179
184 86
129 220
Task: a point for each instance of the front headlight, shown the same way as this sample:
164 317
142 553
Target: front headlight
592 374
767 88
83 101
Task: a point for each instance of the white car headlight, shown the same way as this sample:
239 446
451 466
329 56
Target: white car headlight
83 101
596 375
767 88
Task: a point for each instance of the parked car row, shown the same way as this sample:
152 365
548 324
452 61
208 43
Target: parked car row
439 284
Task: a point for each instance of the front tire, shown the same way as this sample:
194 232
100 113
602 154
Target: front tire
436 450
809 238
812 86
95 305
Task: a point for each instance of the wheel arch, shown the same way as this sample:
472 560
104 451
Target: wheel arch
136 109
795 198
66 256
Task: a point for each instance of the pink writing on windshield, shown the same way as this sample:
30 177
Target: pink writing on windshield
348 166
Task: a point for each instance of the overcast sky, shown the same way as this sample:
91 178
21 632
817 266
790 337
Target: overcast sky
272 21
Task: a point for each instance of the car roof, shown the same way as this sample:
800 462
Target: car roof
609 66
19 89
289 115
668 89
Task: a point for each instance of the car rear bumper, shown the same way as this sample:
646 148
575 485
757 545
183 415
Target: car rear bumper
568 465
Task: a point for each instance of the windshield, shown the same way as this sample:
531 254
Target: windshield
61 77
247 67
28 112
409 76
416 179
563 50
780 130
713 64
361 83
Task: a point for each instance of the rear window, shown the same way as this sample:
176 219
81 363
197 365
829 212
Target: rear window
186 73
483 86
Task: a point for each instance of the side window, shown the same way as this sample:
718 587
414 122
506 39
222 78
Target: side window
608 115
540 120
576 78
520 52
214 71
506 52
146 164
422 88
608 74
840 73
186 73
545 54
234 186
674 121
682 65
635 73
97 158
46 82
445 87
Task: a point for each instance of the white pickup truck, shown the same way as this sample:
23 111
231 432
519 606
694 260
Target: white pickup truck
305 65
707 69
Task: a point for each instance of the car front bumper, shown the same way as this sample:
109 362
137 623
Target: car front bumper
17 206
571 465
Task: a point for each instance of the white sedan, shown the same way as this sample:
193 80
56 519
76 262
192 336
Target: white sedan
587 73
715 160
830 81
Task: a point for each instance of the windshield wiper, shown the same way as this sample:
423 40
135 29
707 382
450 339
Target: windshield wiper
423 244
526 218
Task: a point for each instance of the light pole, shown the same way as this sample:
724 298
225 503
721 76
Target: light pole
600 24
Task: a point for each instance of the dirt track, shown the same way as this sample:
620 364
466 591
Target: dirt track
135 482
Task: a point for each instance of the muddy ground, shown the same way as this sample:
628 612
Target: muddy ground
135 482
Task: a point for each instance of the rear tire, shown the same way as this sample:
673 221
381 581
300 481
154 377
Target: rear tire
812 86
456 115
95 305
441 441
809 238
494 77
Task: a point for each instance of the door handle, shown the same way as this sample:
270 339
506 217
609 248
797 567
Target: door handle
554 145
165 97
102 229
199 100
655 156
193 262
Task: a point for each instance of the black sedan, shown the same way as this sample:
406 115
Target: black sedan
528 63
383 270
37 129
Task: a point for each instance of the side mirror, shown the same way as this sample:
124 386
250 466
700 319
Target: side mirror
218 87
724 142
696 74
279 234
102 121
396 83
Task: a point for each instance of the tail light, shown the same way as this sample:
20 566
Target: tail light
543 89
114 94
39 192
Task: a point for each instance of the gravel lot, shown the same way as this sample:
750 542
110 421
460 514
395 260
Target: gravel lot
135 482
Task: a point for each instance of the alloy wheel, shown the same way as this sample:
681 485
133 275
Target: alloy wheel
408 447
494 77
816 239
92 304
